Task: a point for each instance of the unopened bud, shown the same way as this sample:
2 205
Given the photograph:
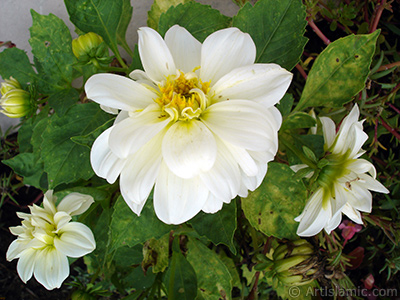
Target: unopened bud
15 102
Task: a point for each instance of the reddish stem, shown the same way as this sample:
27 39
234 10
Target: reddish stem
394 108
318 32
389 66
390 129
379 9
301 70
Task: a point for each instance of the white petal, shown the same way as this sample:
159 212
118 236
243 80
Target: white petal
329 131
156 58
212 205
118 92
26 264
223 51
314 217
75 203
243 159
265 83
61 218
15 249
352 214
242 123
177 200
185 49
189 148
129 135
223 180
109 110
139 175
51 268
253 182
105 163
141 77
360 166
369 183
76 240
49 202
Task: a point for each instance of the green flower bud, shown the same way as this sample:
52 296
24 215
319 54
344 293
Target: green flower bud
89 46
295 263
9 84
15 102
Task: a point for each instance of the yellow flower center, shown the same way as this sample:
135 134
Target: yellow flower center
183 96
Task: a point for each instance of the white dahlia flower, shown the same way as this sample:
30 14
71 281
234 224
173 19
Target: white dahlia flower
346 181
47 236
199 123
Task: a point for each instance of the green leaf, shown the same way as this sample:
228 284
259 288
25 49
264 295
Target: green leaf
298 120
51 44
213 278
27 166
159 7
156 253
280 198
64 160
224 220
339 72
88 139
124 21
180 279
314 142
200 20
129 229
99 16
14 62
62 100
127 256
277 28
285 104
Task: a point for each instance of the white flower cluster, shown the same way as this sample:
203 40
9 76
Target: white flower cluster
47 236
198 124
344 183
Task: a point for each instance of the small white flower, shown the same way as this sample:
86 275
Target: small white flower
199 123
344 185
46 237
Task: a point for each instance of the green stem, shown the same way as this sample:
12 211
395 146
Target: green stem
125 46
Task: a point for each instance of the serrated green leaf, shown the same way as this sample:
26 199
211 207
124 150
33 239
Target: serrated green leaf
65 161
127 256
213 278
224 220
27 166
159 7
88 139
339 72
180 279
277 28
62 100
98 16
298 120
52 49
26 131
200 20
280 198
129 229
14 62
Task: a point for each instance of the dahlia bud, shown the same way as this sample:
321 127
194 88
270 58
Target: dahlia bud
15 102
295 263
90 48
